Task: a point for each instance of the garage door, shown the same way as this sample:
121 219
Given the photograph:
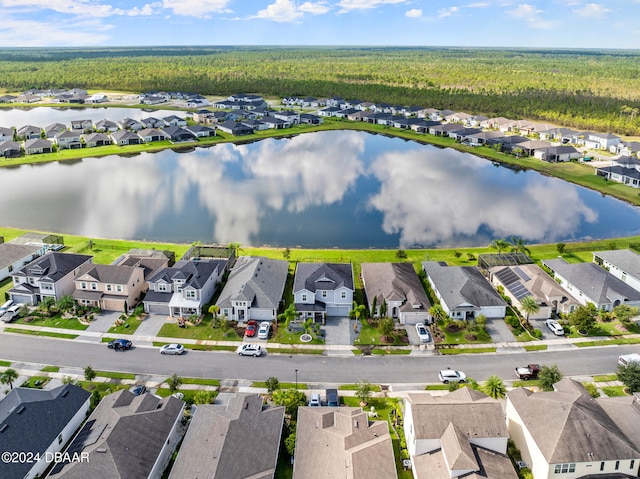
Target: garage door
338 310
21 298
413 318
262 314
157 308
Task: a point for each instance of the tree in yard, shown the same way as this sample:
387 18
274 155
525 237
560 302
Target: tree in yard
174 382
66 303
499 244
529 306
481 322
401 254
214 309
630 376
46 305
290 443
374 306
236 247
364 391
624 312
272 384
437 312
518 245
89 374
24 310
494 387
291 399
386 326
289 314
383 309
548 376
583 318
286 253
8 377
358 311
457 253
94 400
203 397
561 247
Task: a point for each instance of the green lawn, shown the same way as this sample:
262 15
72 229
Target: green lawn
283 336
189 394
56 321
35 382
465 336
369 334
202 331
608 342
50 369
263 384
614 391
201 381
451 351
128 327
354 387
536 347
115 375
605 378
40 333
103 388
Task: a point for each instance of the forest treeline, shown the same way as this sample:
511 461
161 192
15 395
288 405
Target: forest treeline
583 89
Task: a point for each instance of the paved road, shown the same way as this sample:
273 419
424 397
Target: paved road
321 369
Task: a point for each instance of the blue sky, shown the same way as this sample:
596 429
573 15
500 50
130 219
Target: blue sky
502 23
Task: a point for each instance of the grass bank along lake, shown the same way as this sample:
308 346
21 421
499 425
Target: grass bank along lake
343 189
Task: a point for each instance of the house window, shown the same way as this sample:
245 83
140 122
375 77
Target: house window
46 287
565 468
161 287
10 268
617 465
343 295
602 466
324 294
109 287
94 286
191 294
304 298
119 288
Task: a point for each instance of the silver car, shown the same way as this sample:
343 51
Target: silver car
555 327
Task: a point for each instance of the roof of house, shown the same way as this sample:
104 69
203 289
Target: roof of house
624 259
558 150
323 276
9 145
53 266
194 273
91 137
485 463
594 282
217 433
621 170
10 253
124 135
123 436
395 282
108 273
36 143
581 430
255 279
341 442
460 285
32 419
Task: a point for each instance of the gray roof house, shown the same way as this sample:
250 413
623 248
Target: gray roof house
15 256
37 146
217 436
50 275
341 442
39 421
254 289
463 291
624 264
398 285
587 437
125 137
92 140
589 283
323 289
460 434
554 154
126 437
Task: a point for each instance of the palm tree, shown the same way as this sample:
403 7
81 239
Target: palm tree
214 309
437 312
499 244
518 245
494 387
529 305
174 382
8 377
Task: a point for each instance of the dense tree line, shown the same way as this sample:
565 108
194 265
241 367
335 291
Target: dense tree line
597 90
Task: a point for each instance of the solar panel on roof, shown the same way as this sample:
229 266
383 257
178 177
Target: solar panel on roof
522 274
86 437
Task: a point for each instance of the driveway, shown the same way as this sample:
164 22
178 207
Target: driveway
151 325
499 331
103 321
339 331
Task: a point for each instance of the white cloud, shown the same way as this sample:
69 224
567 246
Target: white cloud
447 12
81 8
196 8
348 5
531 15
477 5
29 33
280 11
319 8
414 13
591 10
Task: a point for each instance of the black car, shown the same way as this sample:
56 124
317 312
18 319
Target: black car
119 344
332 397
139 390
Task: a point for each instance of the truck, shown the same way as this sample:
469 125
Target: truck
530 371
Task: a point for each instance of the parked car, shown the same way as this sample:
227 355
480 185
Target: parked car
11 313
138 390
249 350
252 327
172 349
423 333
530 371
263 331
332 397
452 376
315 400
119 344
555 327
625 359
5 306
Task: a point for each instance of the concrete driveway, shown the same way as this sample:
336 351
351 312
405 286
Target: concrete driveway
499 331
103 321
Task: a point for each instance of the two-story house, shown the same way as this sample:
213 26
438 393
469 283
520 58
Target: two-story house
184 288
50 275
14 257
110 287
323 289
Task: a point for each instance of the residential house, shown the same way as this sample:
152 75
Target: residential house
529 147
8 98
125 137
423 126
460 434
86 125
126 436
217 433
92 140
106 126
459 117
444 129
275 123
68 140
498 123
309 119
462 133
149 260
463 292
151 122
345 112
589 283
329 111
130 124
10 149
323 289
37 423
37 146
626 148
255 125
291 117
177 134
50 275
601 141
173 120
110 287
29 132
96 98
555 154
201 131
52 130
397 285
625 170
184 288
483 137
6 134
342 442
149 135
254 289
234 128
587 437
15 256
624 264
529 280
27 99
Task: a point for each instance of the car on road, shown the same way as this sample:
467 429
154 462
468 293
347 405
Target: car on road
173 348
555 327
263 331
626 359
315 400
119 344
423 333
530 371
5 306
452 376
332 397
252 327
139 390
249 349
11 313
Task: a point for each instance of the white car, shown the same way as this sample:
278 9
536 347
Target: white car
555 327
5 306
315 400
452 376
172 349
423 333
249 350
263 330
11 313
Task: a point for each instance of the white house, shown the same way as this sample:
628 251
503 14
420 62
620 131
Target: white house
15 256
624 264
323 289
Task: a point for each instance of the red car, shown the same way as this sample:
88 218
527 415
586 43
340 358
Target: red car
252 328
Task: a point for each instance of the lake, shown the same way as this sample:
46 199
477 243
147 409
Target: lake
341 189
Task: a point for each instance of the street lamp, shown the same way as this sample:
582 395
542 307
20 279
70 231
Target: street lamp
296 379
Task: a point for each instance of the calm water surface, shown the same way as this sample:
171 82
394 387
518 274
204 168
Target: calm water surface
341 188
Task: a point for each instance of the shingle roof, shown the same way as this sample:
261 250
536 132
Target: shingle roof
323 276
53 266
624 259
108 273
194 273
10 253
394 282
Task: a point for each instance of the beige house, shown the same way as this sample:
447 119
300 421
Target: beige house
460 434
342 442
110 287
567 434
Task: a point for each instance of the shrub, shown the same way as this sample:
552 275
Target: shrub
592 389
